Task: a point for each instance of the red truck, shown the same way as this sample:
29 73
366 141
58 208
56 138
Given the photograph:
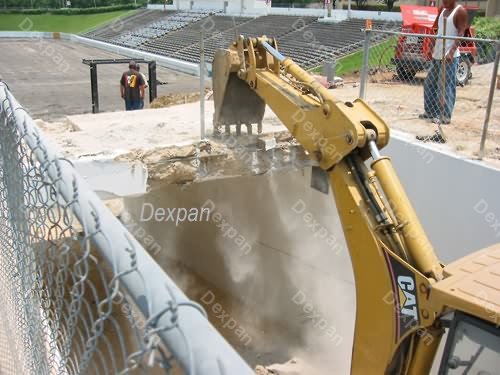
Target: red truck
414 54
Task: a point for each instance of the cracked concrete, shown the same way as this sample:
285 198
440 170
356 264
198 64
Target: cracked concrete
166 144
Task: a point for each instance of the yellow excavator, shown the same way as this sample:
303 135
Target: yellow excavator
406 299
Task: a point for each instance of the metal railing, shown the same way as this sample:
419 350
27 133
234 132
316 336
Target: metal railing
407 70
78 293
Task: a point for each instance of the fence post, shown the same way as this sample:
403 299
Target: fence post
490 100
329 70
153 82
364 69
94 90
202 87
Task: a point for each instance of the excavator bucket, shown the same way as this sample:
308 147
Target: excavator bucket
235 102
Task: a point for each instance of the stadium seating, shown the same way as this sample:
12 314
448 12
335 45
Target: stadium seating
184 43
159 27
228 28
317 41
123 25
177 34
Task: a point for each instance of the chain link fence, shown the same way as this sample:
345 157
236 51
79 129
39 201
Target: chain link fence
79 295
406 79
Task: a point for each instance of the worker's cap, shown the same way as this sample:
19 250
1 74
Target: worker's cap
132 64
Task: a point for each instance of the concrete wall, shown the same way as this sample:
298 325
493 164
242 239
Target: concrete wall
259 7
168 62
452 197
306 12
247 8
236 7
27 34
288 263
340 15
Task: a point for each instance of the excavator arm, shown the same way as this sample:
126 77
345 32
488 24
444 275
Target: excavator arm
394 264
303 105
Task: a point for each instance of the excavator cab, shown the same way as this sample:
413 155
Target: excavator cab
472 347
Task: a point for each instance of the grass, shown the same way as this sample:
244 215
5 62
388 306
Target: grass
56 22
380 55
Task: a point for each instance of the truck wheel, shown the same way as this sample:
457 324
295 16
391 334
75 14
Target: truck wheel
463 71
405 74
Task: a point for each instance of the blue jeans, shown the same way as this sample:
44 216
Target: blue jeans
131 105
433 89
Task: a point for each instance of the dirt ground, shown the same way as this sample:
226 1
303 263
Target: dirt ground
400 103
49 79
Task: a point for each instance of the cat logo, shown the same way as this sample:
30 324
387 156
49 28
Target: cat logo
407 297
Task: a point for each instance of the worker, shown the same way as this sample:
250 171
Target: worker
132 87
437 108
145 84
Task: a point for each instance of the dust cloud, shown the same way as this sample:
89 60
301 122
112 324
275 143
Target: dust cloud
289 293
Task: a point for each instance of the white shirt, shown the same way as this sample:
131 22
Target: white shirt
451 30
145 80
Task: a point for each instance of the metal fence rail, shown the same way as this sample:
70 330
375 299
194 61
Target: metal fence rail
78 293
407 69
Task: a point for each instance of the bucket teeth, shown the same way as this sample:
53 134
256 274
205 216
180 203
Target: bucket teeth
227 128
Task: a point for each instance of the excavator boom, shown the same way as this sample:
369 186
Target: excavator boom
394 264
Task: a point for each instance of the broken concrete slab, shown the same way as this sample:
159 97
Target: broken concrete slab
164 145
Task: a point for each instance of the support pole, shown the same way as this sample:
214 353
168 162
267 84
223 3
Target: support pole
153 91
94 89
364 71
442 98
202 87
490 100
328 70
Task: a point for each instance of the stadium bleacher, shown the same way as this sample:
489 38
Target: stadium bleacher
177 34
159 27
139 19
184 43
318 41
